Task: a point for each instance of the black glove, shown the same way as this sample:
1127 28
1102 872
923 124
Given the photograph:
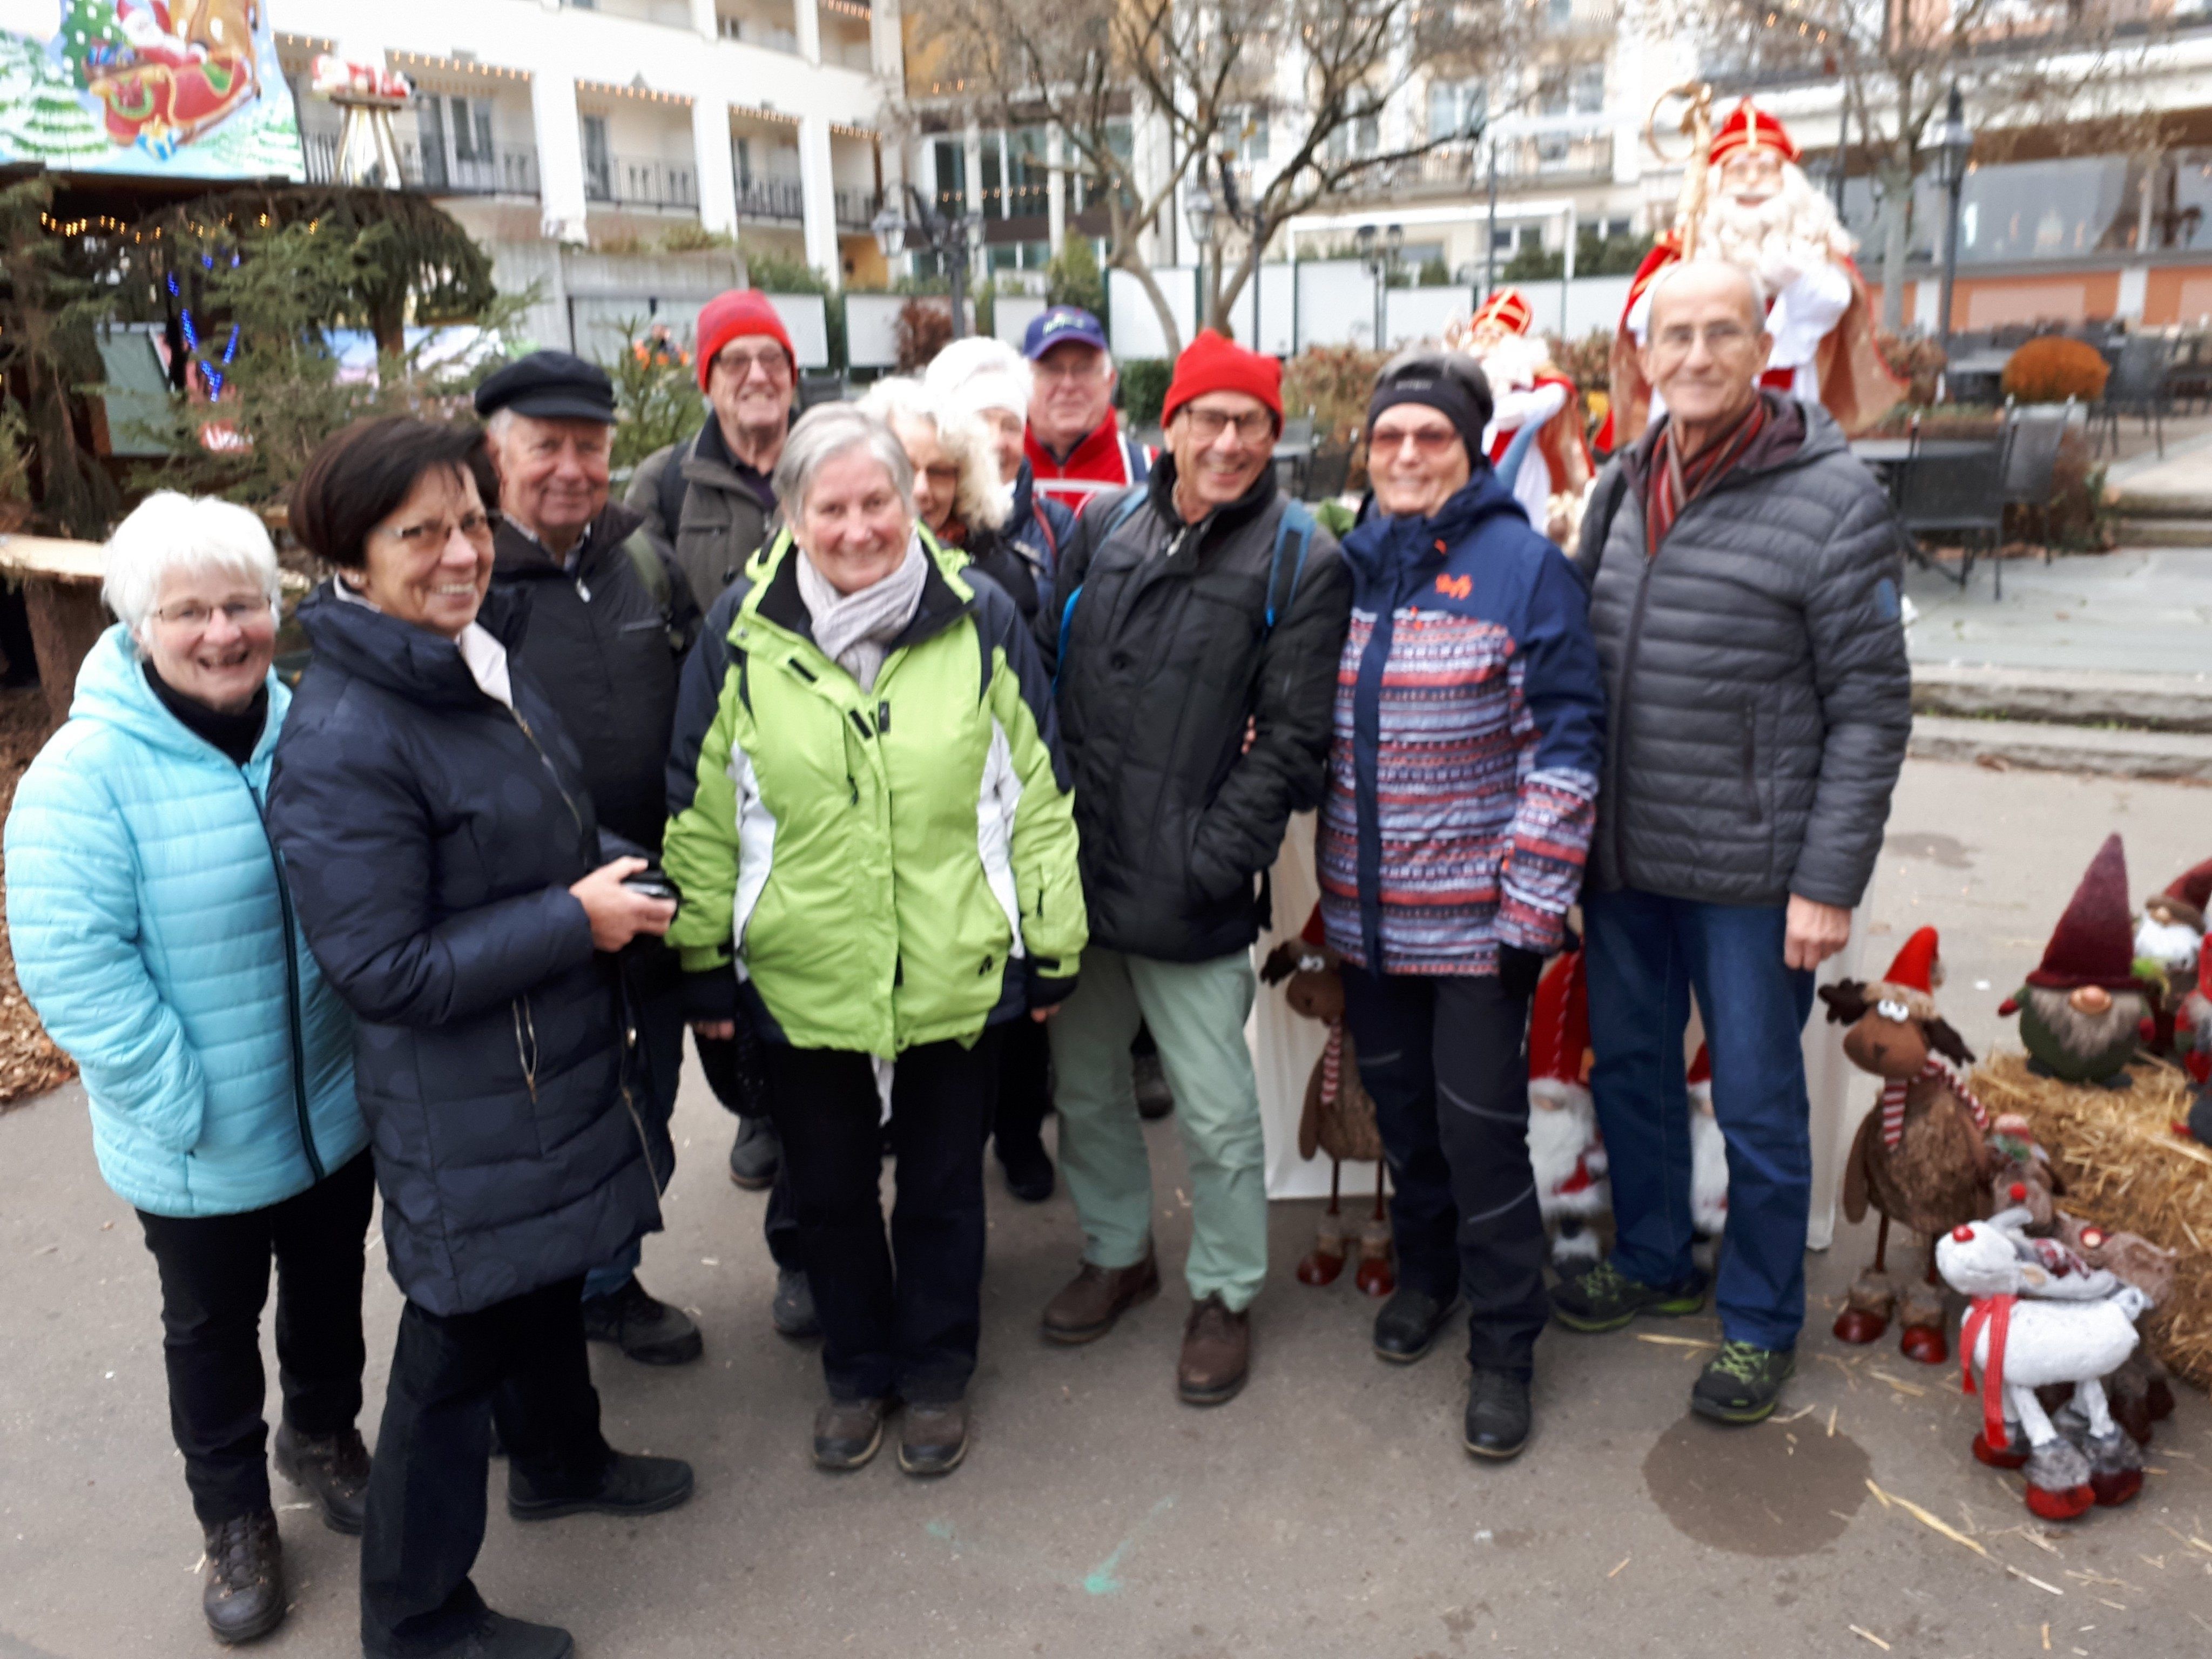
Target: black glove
1518 970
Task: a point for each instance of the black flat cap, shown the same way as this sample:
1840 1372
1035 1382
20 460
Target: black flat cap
552 385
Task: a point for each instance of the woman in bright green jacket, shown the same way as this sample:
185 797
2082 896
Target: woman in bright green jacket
876 852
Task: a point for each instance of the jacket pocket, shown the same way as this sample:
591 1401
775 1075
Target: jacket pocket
1749 761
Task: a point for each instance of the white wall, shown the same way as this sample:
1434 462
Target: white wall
1132 324
807 321
1012 314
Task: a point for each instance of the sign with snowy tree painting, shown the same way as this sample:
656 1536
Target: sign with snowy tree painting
176 89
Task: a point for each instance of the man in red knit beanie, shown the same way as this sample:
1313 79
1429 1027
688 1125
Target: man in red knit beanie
1189 602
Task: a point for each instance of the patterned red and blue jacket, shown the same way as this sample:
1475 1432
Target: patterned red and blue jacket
1470 727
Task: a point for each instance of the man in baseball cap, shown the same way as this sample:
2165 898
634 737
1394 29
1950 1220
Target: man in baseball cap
1075 445
609 619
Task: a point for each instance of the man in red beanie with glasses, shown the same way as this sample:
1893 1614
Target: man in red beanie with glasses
1196 646
709 501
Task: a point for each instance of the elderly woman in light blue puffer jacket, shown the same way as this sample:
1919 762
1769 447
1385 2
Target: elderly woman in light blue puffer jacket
153 932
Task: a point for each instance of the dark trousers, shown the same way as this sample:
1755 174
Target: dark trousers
718 1062
215 1279
1446 1061
659 1016
1025 1086
900 1316
523 1358
1646 953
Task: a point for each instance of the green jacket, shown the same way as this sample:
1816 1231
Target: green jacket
886 867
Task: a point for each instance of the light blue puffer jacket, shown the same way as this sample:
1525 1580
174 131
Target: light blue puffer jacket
154 935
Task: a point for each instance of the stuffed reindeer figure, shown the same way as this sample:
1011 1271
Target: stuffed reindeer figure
2041 1316
1339 1117
1920 1158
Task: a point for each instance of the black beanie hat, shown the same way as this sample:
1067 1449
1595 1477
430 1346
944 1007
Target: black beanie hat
1447 381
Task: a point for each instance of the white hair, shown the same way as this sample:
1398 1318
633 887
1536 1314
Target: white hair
167 533
982 501
827 431
1705 264
981 373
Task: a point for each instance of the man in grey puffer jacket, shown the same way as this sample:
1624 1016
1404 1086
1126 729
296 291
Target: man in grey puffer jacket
1745 599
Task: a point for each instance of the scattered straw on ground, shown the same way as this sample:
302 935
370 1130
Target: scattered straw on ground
30 1064
2126 1170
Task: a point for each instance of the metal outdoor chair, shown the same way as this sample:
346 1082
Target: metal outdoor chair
817 386
1959 494
2137 387
1294 454
2032 462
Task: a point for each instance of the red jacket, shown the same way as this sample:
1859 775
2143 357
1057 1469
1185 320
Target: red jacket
1101 462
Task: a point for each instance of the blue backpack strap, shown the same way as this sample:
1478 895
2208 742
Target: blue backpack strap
1296 522
1121 512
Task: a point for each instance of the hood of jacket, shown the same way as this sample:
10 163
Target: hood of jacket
409 661
1381 546
111 688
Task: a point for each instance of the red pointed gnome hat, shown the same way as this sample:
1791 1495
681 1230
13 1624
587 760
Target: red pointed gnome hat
1559 1027
1913 977
2095 941
2190 894
1701 1066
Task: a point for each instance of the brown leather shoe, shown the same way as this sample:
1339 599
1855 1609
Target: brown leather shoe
933 1439
1089 1304
847 1432
1217 1352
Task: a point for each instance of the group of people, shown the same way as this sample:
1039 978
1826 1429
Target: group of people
925 756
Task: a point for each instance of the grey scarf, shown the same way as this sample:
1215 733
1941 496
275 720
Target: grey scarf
855 630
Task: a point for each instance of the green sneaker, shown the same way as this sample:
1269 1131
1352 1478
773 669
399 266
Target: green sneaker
1743 1384
1603 1299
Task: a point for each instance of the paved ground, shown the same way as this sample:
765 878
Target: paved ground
2133 611
1328 1512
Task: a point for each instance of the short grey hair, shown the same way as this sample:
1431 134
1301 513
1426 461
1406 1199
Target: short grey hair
1674 273
825 432
168 532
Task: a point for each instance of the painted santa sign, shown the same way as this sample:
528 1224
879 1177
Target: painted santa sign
1757 209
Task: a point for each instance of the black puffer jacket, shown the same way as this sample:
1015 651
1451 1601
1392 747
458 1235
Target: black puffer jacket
604 649
1169 654
1759 697
430 835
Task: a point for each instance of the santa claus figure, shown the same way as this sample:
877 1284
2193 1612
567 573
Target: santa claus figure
1564 1148
1760 212
1527 391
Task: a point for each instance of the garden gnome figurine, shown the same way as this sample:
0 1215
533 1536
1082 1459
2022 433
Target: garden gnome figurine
2082 1011
1564 1148
2170 938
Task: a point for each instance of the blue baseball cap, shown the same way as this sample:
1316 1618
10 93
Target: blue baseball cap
1060 326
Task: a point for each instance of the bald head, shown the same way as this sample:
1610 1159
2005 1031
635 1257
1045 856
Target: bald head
1706 342
1703 282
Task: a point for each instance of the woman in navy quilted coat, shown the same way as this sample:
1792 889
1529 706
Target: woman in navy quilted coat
447 868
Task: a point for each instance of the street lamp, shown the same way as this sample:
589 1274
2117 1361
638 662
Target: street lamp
943 233
1198 212
1380 255
1950 143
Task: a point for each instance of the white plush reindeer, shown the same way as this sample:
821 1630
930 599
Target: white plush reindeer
2040 1316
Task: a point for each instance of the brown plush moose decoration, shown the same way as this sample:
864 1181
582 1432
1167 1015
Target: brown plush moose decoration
1920 1158
1339 1117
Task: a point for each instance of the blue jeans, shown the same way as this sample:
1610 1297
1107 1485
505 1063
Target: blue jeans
1646 954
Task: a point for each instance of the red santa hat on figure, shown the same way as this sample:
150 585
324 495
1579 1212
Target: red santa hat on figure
1563 1147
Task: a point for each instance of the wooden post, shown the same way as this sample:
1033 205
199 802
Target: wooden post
61 596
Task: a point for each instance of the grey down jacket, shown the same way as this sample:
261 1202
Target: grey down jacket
1760 700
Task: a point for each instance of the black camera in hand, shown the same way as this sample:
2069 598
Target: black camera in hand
653 883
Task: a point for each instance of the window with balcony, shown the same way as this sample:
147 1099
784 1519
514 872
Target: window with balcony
1456 108
759 23
951 176
1587 93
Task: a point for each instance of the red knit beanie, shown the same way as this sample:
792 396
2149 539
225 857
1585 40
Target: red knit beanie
740 311
1211 363
2095 941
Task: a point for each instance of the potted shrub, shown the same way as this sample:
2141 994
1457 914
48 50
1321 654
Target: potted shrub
2051 368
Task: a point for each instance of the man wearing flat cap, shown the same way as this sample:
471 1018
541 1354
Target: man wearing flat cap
609 621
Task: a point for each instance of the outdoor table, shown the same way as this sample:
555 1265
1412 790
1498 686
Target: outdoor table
61 593
1893 451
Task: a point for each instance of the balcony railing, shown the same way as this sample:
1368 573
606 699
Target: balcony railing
771 197
640 181
856 209
503 173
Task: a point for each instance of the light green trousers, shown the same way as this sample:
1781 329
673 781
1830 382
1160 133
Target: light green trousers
1196 1011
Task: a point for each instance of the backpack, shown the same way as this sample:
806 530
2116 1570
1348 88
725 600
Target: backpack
1296 522
674 485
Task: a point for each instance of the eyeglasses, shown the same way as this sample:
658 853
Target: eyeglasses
1076 366
434 533
739 365
1676 339
1428 441
945 475
192 616
1207 425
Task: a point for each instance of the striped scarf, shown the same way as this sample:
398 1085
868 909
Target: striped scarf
1892 1100
1675 481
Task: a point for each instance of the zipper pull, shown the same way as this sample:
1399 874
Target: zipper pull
583 590
882 717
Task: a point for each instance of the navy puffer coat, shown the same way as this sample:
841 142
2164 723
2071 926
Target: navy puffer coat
430 835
